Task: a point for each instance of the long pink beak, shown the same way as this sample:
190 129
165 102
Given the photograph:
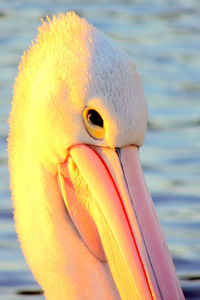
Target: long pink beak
127 224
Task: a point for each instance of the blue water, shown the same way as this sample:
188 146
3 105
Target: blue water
163 38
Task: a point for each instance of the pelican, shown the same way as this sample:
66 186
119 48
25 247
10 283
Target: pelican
84 216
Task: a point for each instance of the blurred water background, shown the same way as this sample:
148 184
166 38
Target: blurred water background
163 38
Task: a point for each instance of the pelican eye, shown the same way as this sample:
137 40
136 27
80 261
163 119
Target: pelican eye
94 118
93 123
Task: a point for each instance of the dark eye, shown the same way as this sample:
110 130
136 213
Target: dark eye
94 118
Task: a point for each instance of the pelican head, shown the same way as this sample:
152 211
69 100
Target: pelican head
84 217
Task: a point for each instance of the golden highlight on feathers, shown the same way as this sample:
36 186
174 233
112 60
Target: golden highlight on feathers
48 81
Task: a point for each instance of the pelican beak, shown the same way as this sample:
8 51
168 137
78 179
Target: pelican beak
126 221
